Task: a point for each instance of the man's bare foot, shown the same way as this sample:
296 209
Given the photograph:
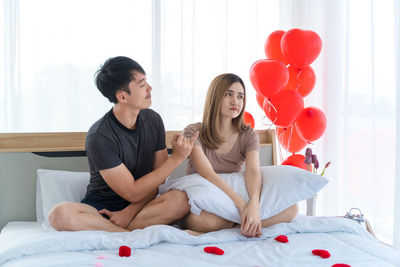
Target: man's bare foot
195 233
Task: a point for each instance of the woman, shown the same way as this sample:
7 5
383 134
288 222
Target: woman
225 143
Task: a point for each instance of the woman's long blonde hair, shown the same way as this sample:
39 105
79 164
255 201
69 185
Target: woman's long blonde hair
209 131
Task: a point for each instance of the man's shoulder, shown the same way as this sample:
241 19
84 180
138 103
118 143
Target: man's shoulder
148 113
98 126
100 132
150 118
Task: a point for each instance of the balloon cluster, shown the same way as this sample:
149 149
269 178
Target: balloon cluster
281 83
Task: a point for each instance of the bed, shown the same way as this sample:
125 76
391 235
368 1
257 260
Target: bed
24 241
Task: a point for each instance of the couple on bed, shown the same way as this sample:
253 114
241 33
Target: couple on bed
128 159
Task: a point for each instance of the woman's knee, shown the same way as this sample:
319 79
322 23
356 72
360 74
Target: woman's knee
207 222
288 214
217 223
293 211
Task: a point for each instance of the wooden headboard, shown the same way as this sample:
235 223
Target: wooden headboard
21 154
75 141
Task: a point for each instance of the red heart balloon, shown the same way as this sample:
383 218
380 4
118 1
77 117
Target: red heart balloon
268 77
248 119
290 139
296 160
272 46
284 108
311 124
301 80
300 47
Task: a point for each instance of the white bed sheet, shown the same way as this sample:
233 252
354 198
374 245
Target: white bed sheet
27 244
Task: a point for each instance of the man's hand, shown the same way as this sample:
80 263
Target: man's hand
120 218
251 223
182 147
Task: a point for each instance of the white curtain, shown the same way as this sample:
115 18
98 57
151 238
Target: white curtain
200 40
357 91
52 49
396 234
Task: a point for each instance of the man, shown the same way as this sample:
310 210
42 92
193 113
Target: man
128 160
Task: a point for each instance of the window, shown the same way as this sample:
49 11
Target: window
55 47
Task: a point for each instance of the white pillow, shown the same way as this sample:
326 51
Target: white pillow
54 187
283 186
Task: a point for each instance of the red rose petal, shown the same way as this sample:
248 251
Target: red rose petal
282 239
214 250
124 251
322 253
341 265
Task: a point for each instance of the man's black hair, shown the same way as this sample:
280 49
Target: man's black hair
115 74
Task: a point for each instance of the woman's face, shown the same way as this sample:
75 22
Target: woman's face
232 102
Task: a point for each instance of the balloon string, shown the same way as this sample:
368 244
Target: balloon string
297 84
273 123
280 150
290 138
276 112
269 125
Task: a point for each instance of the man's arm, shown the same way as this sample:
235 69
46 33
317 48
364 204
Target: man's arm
123 217
122 182
159 158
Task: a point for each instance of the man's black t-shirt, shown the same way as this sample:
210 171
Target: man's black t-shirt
109 143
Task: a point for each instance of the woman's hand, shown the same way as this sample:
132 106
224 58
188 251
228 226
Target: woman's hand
251 223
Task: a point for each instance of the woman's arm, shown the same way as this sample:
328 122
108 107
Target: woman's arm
205 169
253 176
251 223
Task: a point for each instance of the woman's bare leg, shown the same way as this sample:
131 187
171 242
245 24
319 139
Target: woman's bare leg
205 222
285 216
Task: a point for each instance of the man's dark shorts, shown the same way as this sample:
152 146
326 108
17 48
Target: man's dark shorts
99 203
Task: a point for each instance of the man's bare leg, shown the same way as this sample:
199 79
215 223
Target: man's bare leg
71 216
284 217
165 209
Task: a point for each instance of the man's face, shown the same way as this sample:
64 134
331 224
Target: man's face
140 96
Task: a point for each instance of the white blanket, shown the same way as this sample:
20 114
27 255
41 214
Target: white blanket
41 242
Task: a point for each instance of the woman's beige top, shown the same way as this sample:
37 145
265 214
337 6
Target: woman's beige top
229 162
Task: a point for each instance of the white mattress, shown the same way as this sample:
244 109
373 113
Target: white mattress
27 244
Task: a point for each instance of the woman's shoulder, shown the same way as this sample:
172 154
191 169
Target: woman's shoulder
248 132
189 130
194 126
249 135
